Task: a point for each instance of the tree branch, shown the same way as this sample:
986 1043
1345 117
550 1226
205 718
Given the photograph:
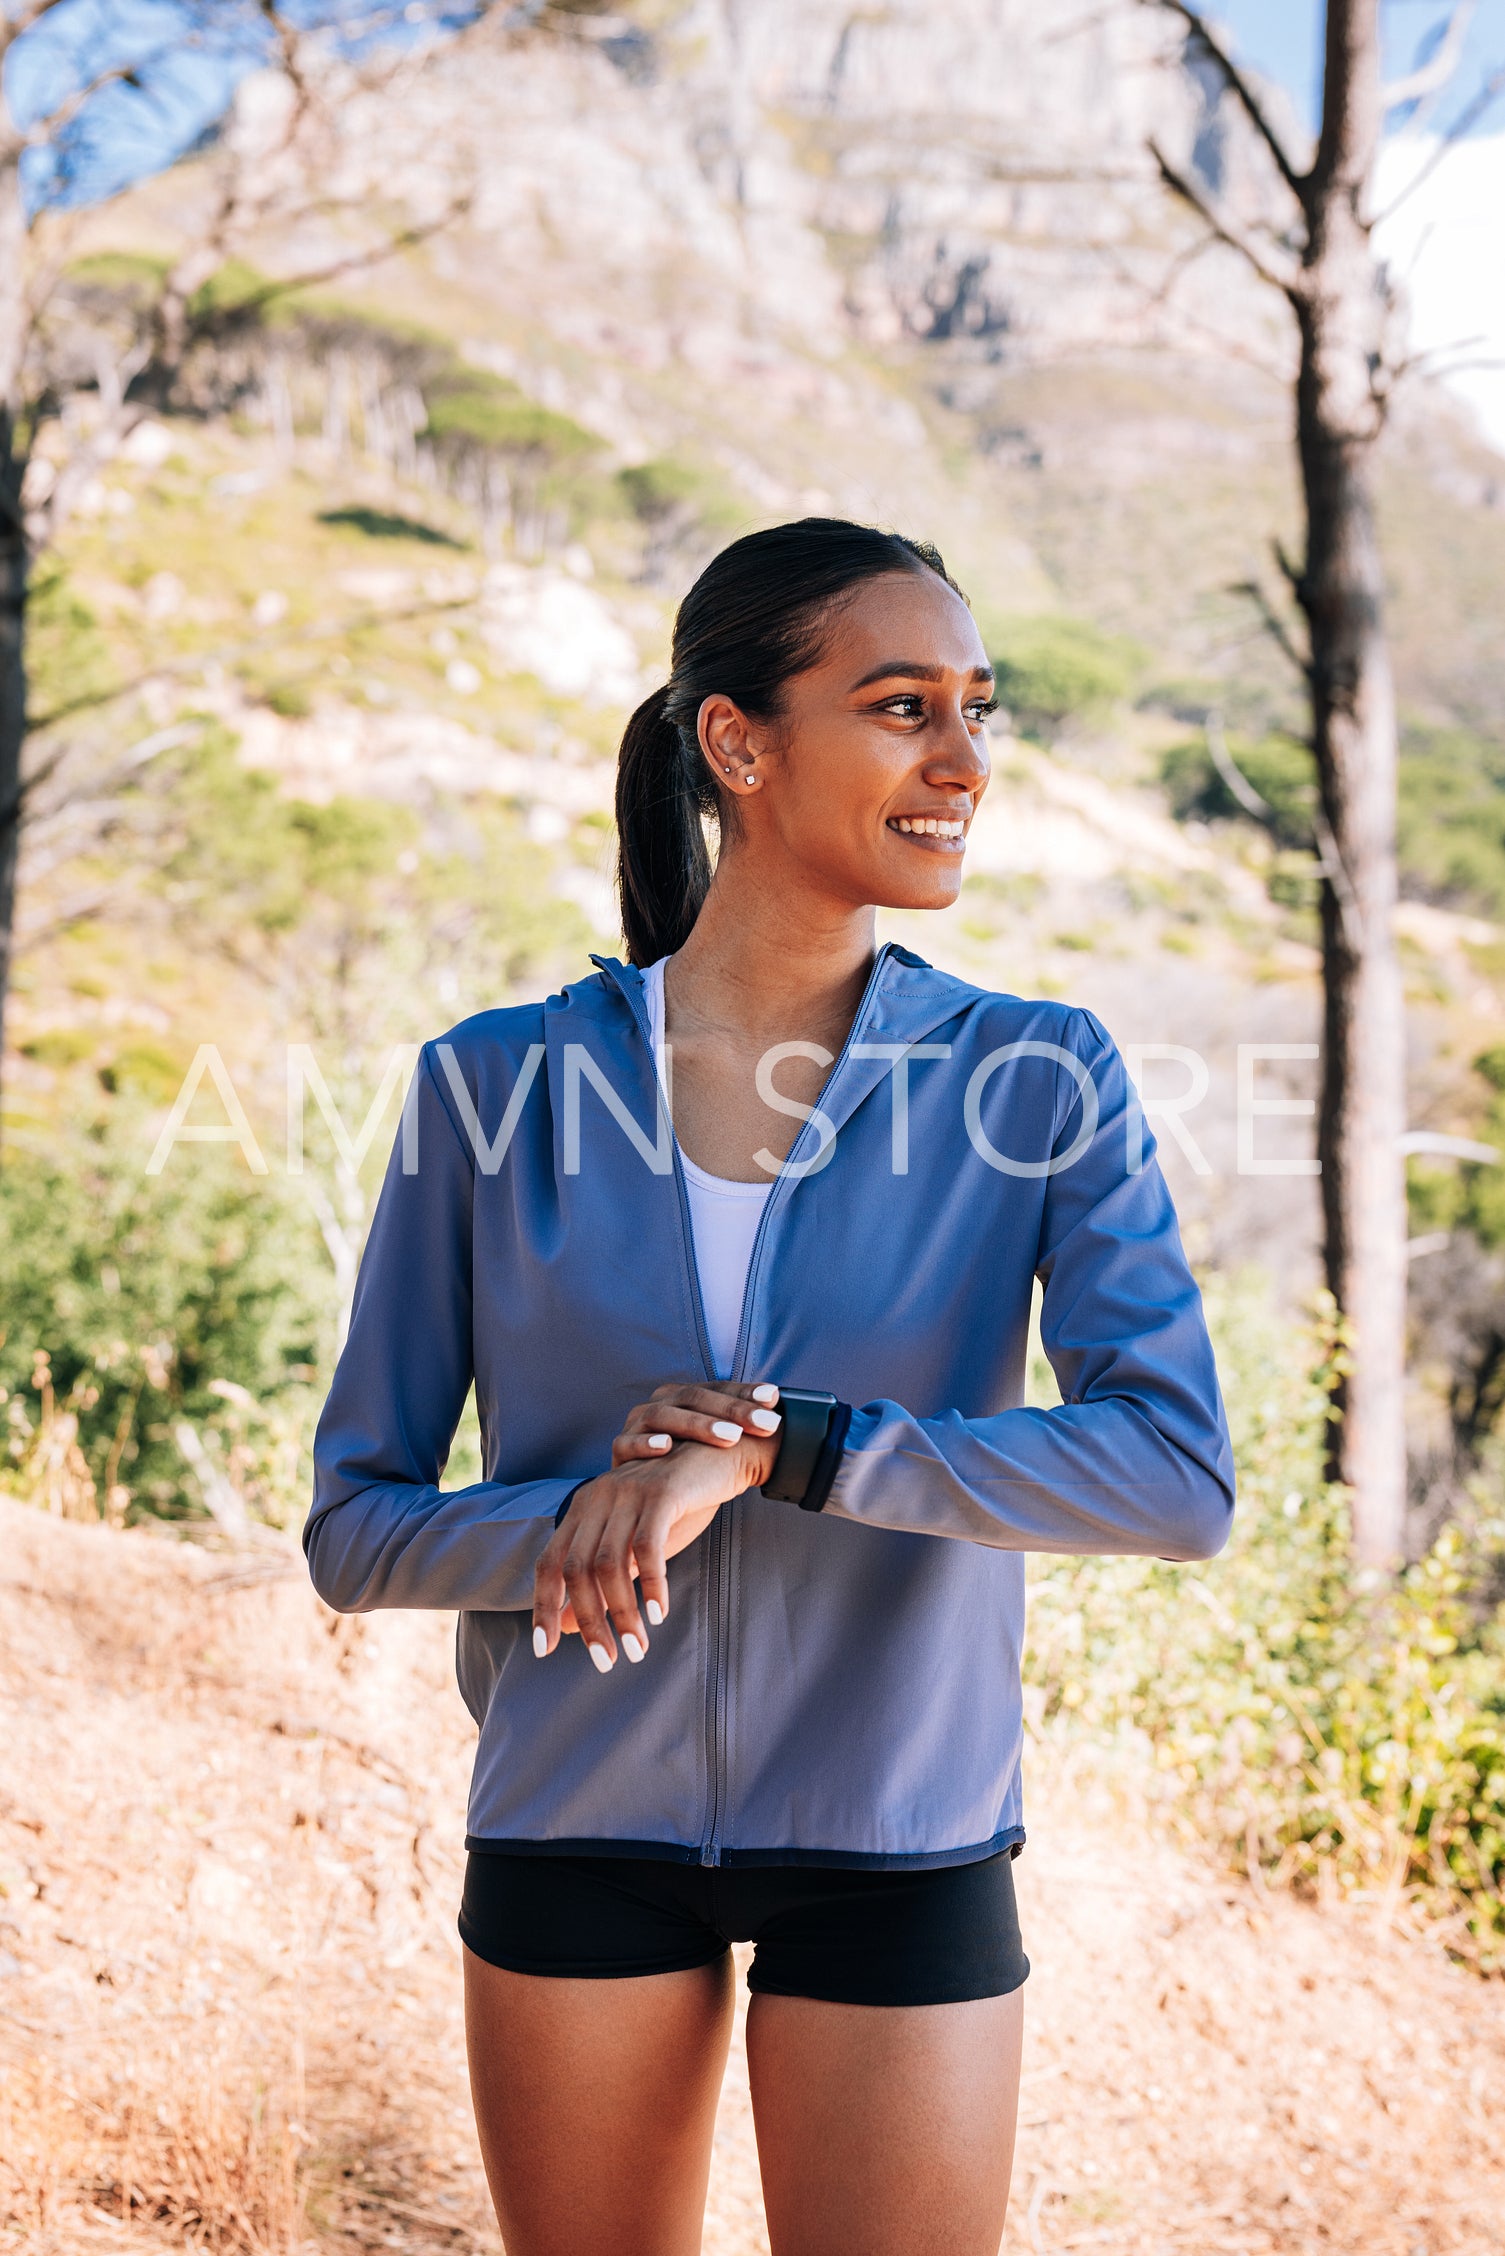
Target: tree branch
1231 774
228 654
1241 88
1335 870
256 302
44 129
1158 299
1434 75
1275 627
290 54
1462 125
1282 275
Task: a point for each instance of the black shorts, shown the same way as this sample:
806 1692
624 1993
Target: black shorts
861 1937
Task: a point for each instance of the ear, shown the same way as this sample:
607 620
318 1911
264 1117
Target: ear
729 744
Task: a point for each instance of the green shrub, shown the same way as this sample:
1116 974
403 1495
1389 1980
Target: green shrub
1451 817
233 287
1053 670
1295 880
1279 768
150 1070
235 853
131 1302
1468 1194
1309 1724
387 524
62 1045
668 490
67 658
1450 827
487 411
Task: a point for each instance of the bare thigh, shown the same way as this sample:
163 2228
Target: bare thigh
596 2103
885 2130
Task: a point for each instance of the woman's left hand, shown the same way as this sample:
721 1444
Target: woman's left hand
719 1412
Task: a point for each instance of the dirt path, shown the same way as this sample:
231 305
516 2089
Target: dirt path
230 1846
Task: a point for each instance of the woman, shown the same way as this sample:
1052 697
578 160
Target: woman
815 1742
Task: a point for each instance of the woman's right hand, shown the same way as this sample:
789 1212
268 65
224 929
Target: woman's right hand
629 1523
691 1410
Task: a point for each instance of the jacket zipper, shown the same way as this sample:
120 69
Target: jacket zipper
719 1566
711 1851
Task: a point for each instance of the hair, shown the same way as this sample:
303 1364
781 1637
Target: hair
754 619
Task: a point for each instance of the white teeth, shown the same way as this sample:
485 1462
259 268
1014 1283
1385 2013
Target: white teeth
928 826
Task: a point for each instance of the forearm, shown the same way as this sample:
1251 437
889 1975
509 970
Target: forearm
1086 1477
396 1544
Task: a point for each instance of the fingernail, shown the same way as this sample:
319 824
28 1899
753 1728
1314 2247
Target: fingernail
541 1643
654 1611
724 1430
765 1394
631 1647
766 1421
601 1657
659 1441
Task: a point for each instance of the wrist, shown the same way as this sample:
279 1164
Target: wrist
570 1498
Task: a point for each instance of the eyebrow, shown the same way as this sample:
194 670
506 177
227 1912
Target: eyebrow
910 669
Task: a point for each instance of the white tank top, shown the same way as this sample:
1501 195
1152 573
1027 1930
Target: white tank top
724 1217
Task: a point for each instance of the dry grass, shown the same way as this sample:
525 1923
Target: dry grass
184 2145
230 1853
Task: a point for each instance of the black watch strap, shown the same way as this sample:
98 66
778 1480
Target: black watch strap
815 1426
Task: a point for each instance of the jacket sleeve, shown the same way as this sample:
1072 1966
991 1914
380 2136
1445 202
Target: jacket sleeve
382 1532
1136 1458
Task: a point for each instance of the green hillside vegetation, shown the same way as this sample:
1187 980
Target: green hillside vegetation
1452 817
1451 829
1316 1735
1054 670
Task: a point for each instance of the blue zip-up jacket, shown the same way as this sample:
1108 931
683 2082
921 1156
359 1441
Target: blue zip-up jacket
840 1687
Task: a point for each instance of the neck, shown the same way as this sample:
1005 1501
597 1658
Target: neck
768 962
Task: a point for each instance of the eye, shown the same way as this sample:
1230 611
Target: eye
980 707
909 705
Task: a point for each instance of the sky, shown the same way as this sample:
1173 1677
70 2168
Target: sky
1283 37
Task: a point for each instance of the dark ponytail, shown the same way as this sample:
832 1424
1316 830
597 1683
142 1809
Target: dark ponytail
753 620
663 865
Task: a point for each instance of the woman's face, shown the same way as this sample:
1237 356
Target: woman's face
864 789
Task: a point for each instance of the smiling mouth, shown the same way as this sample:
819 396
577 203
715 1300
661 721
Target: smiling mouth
942 833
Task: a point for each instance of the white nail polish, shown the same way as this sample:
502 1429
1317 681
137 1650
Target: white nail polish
765 1394
654 1611
541 1642
601 1657
724 1430
631 1647
660 1441
766 1421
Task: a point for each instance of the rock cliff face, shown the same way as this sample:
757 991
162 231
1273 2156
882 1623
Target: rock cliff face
759 176
980 166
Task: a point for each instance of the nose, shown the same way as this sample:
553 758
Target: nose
958 759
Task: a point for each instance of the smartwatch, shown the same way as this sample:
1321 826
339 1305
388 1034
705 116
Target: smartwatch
810 1447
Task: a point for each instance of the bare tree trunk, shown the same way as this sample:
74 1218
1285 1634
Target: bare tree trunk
1341 591
13 552
13 575
1337 290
